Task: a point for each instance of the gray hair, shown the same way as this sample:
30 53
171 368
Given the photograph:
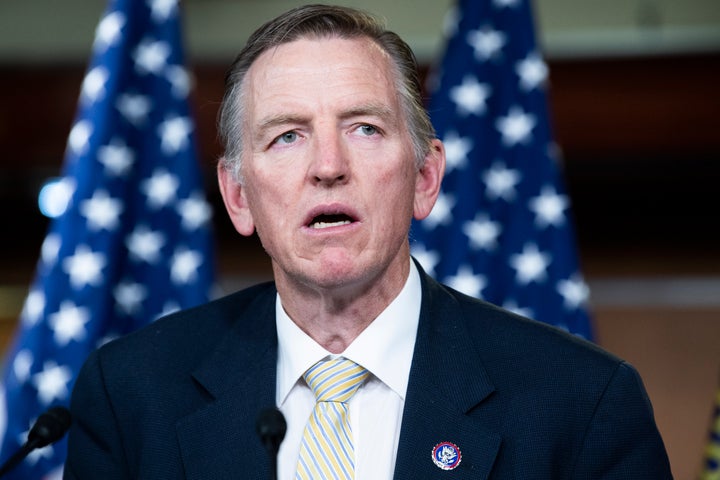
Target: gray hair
321 21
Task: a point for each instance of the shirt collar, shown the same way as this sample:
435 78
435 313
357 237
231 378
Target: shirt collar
385 347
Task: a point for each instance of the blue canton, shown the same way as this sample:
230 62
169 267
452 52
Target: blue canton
501 229
134 241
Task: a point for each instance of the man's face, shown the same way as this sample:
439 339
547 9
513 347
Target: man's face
330 180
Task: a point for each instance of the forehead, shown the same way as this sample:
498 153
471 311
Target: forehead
321 71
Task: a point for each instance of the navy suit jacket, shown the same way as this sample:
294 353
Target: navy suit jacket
521 400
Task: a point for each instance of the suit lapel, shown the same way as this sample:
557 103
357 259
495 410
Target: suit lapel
447 381
236 381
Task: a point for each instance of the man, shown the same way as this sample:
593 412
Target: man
329 155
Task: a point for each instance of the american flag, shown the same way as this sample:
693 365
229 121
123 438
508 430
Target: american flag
501 229
711 467
134 241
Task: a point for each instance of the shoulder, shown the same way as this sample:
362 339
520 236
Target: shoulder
188 335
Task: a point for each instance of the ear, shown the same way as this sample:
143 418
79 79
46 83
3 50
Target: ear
428 180
236 204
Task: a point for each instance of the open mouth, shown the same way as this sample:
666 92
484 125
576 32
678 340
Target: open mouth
327 221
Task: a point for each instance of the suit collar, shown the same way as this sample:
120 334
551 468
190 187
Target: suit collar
447 381
236 381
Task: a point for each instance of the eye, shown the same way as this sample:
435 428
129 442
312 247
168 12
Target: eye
368 130
286 138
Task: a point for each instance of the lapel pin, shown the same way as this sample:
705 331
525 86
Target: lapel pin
446 455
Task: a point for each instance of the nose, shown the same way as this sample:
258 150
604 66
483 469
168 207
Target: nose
330 163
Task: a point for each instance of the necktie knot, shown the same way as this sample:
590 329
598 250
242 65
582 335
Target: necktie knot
335 380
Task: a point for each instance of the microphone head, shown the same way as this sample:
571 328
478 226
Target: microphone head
271 427
49 427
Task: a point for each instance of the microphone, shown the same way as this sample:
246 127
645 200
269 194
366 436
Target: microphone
271 427
48 428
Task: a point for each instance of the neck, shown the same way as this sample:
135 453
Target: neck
334 317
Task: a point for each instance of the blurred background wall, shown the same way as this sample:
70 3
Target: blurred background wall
636 110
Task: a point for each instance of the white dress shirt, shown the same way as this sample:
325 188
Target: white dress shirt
385 349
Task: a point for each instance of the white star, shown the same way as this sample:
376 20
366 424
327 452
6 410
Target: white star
84 267
129 297
151 56
428 258
451 21
145 245
500 181
441 214
22 365
467 282
108 30
68 323
530 265
184 264
486 42
516 127
549 208
160 10
101 211
532 71
117 158
52 382
93 86
50 249
470 97
160 188
180 81
175 134
195 211
34 307
169 307
80 136
456 150
506 3
482 232
135 108
575 292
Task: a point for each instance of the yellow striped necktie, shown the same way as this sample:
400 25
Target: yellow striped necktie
326 450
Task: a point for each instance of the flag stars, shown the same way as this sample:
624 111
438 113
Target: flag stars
500 182
456 150
533 72
50 249
22 365
84 267
117 158
93 86
134 108
108 30
52 382
428 259
184 265
79 137
516 127
530 265
506 3
441 213
194 211
161 10
574 291
467 282
101 211
151 56
549 208
160 188
470 96
129 297
144 244
68 323
180 81
34 307
486 42
175 134
482 232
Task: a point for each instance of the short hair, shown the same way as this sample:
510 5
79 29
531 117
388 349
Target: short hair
321 21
